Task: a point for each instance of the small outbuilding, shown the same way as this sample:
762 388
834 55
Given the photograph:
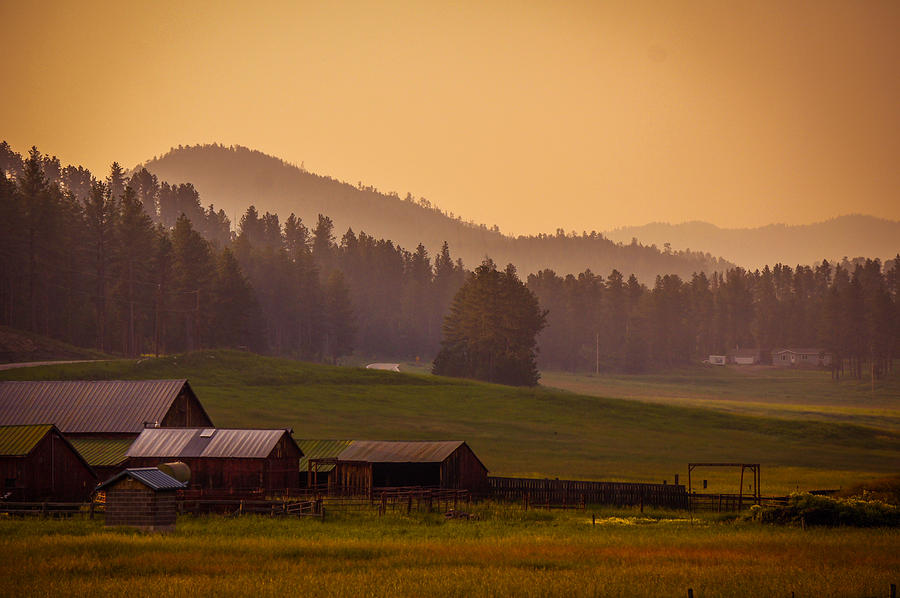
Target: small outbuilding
368 464
318 461
235 460
143 497
38 464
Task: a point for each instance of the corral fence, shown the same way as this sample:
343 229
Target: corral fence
732 503
550 494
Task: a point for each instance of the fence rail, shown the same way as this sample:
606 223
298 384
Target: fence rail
726 503
567 493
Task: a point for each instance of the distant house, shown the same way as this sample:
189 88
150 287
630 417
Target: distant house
801 357
717 359
236 460
38 464
744 356
367 464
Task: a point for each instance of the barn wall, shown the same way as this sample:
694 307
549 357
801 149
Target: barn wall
463 470
234 474
351 477
186 412
52 471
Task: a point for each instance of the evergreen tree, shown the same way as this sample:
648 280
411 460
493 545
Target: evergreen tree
491 329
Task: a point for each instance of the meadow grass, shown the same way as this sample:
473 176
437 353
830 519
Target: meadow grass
541 432
508 553
753 390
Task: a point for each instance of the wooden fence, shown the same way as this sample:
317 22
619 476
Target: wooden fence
572 493
726 503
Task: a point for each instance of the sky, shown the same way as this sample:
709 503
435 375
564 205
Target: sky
529 115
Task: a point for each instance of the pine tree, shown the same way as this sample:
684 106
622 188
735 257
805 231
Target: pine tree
491 329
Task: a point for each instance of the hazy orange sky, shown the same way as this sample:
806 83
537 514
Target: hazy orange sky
530 115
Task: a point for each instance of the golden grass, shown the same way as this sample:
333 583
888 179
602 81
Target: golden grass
560 554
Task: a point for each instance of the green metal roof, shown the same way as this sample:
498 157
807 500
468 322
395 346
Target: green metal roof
18 441
102 452
321 449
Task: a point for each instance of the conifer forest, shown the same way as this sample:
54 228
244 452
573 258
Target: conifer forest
128 264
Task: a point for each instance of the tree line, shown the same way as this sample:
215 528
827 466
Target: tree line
851 309
133 265
130 264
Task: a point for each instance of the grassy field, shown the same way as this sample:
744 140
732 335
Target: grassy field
753 390
534 432
509 553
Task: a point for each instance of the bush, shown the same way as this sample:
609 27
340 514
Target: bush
827 511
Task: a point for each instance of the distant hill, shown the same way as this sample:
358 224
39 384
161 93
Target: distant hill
232 178
846 236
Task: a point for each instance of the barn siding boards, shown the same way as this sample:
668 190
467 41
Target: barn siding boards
37 464
224 459
107 408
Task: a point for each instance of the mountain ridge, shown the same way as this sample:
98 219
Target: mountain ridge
235 177
847 236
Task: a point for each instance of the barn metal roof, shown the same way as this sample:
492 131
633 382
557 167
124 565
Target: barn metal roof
149 476
102 452
18 441
108 406
321 449
206 442
376 451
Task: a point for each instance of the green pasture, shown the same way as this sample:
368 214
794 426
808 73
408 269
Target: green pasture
540 432
507 553
753 390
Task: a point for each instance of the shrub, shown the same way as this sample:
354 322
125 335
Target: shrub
827 511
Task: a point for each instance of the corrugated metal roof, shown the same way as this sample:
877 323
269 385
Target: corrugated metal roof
188 443
102 452
375 451
18 441
149 476
108 406
321 449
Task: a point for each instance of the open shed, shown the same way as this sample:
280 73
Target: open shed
38 464
367 464
237 460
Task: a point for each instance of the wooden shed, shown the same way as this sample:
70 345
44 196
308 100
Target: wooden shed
143 497
367 464
38 464
236 460
318 461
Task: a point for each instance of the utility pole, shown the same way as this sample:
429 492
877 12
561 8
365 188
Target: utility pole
156 318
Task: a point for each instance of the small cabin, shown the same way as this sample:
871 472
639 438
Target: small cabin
143 497
38 464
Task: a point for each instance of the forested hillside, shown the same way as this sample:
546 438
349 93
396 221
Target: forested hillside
234 177
134 265
835 240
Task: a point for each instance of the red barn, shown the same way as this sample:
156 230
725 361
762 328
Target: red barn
38 464
224 459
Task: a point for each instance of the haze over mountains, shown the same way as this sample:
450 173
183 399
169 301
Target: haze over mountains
849 236
232 178
235 177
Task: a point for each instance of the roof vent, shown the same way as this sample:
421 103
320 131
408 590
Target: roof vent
207 432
